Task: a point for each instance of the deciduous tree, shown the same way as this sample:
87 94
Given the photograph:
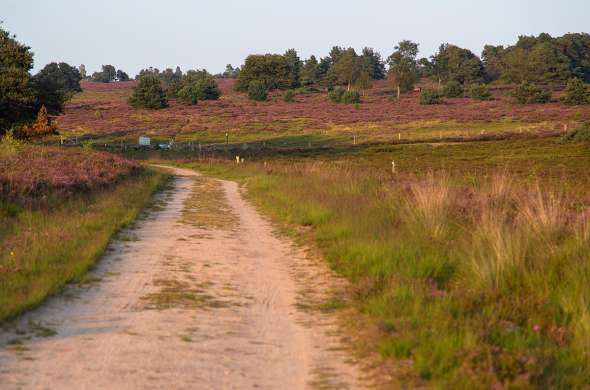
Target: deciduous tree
121 76
403 66
270 69
454 63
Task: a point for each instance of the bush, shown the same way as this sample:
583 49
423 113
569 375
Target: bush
335 95
576 93
40 128
480 92
528 93
9 144
351 97
173 87
207 89
289 96
453 89
581 134
148 93
341 95
257 91
431 96
188 94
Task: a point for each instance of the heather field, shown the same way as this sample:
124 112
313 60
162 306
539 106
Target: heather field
103 114
59 208
35 173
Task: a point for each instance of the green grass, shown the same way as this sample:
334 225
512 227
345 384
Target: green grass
472 262
43 249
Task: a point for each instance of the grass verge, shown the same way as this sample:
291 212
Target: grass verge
43 249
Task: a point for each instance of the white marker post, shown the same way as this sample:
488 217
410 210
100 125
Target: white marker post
393 167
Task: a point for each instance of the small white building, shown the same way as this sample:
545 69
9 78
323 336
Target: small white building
145 141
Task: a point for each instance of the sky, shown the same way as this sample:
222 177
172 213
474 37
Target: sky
136 34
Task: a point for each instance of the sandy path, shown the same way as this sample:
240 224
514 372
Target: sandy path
198 295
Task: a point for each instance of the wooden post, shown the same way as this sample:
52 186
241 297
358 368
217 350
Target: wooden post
399 136
226 138
354 139
393 167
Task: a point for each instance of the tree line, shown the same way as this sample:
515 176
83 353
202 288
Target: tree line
107 74
543 60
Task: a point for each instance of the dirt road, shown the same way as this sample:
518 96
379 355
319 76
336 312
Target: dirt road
200 294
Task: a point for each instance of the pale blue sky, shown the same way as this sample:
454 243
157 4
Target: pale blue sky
133 34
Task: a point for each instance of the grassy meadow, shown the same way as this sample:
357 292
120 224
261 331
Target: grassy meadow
470 263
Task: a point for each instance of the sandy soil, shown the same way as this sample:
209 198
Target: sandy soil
200 294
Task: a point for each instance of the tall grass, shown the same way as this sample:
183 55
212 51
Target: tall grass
478 282
42 249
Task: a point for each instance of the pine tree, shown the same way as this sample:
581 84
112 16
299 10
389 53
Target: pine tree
16 95
148 93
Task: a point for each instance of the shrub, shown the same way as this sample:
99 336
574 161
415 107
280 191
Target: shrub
335 95
528 93
480 92
63 171
172 88
257 91
341 95
350 97
148 93
576 93
431 96
289 96
453 89
9 144
581 134
207 89
188 94
41 127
